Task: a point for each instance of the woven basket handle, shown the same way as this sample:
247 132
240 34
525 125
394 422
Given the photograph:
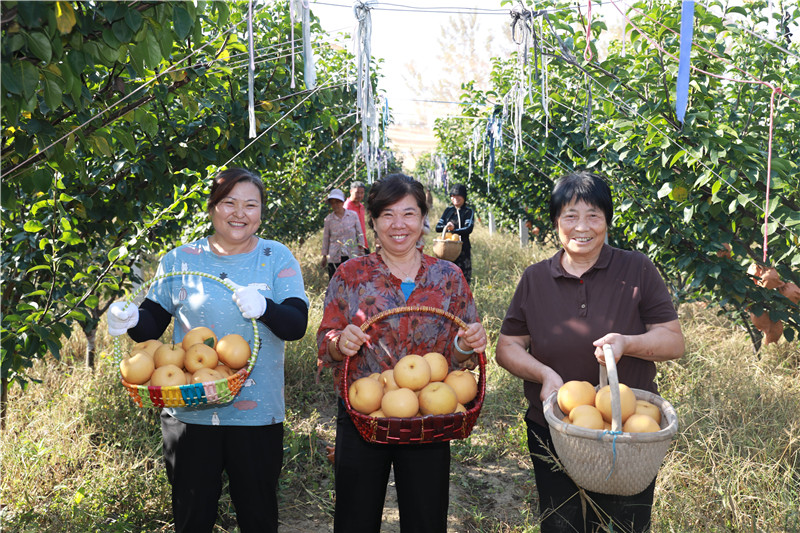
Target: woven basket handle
117 343
608 376
408 309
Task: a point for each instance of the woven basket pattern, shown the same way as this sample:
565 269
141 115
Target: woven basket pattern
212 392
417 430
447 250
602 462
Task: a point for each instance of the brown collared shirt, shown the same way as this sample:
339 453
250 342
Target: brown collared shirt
622 293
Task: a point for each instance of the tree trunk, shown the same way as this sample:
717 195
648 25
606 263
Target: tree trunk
91 346
3 404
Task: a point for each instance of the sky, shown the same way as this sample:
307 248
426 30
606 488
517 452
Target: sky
406 31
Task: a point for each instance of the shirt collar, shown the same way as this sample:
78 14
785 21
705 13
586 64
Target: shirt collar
556 270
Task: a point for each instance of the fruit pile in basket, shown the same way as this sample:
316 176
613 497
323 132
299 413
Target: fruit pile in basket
590 409
451 236
199 358
418 385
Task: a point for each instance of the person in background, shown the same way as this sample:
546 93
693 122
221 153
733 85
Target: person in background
459 219
341 235
243 438
353 203
563 311
398 275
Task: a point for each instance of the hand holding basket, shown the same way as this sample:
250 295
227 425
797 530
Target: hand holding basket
612 462
212 392
416 430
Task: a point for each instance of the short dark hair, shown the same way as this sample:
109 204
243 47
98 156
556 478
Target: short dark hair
390 190
581 185
226 180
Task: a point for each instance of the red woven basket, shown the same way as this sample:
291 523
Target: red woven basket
416 430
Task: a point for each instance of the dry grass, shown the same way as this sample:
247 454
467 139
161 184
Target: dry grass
77 456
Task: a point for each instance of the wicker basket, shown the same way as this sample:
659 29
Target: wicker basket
446 249
612 462
416 430
212 392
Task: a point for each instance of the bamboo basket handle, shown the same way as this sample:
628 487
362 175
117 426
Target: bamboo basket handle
609 376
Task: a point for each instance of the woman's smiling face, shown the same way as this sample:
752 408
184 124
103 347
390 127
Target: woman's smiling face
237 217
399 226
582 230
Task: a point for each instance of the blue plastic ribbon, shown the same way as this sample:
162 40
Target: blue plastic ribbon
613 449
682 88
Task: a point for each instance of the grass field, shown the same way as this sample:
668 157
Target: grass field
78 456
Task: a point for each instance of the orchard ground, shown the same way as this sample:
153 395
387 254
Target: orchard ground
78 456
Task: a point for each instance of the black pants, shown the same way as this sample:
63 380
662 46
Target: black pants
464 261
421 474
333 266
196 456
564 509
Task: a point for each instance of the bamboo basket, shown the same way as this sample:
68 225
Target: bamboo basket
446 249
212 392
416 430
612 462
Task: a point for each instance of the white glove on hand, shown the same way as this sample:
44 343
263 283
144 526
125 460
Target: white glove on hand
251 303
122 318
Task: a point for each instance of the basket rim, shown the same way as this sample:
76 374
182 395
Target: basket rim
477 401
666 433
241 374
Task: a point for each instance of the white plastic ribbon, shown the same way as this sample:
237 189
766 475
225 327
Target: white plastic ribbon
251 71
365 105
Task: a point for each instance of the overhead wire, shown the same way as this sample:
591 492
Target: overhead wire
124 98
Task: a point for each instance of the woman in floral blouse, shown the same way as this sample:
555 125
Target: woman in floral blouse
397 276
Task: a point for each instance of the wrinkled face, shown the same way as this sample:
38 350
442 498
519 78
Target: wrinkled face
457 200
582 229
399 226
357 194
237 217
337 206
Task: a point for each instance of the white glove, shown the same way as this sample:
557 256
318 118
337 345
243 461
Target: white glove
251 303
122 318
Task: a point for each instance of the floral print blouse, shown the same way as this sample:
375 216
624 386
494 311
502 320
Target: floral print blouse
363 287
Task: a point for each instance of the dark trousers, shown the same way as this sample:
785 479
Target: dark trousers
564 509
421 475
464 261
333 266
196 456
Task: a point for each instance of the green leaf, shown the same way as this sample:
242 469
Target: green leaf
133 19
23 78
118 253
122 31
182 22
39 44
33 226
52 94
151 50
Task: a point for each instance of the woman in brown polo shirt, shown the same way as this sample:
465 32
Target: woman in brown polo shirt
563 311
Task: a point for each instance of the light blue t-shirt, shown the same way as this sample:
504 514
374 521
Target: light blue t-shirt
198 301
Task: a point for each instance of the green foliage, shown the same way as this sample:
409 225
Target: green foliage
115 117
681 191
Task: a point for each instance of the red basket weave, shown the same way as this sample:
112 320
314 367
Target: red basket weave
416 430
